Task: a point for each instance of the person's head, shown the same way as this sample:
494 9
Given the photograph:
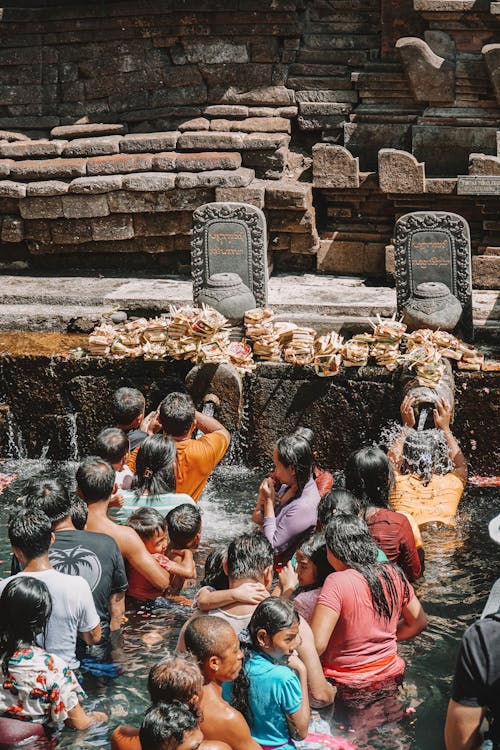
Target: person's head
128 406
25 607
307 434
30 534
177 414
184 526
95 479
337 501
79 513
369 476
214 574
425 453
151 527
216 647
312 562
250 556
113 445
274 628
170 726
293 461
52 498
175 678
154 466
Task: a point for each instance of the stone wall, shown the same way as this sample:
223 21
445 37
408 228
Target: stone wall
238 95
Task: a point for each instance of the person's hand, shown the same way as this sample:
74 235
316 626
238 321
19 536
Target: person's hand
296 664
442 415
288 579
96 717
151 423
116 501
250 593
267 491
407 413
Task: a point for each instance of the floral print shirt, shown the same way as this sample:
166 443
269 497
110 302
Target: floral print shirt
38 687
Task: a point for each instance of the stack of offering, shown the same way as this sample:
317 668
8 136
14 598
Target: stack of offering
240 356
267 348
300 350
154 338
448 344
258 322
427 363
356 351
387 337
472 359
100 340
328 354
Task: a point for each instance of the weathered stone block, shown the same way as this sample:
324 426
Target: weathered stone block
91 185
5 165
47 187
265 141
87 130
41 208
164 162
149 181
10 189
101 146
340 257
226 110
38 231
213 141
491 53
31 149
274 95
291 221
374 259
119 164
48 169
198 123
70 231
254 194
10 136
432 78
135 143
365 139
304 244
112 228
12 229
446 149
216 178
84 206
334 167
253 125
123 201
400 172
480 164
268 165
485 271
216 51
156 225
320 122
289 195
324 108
202 162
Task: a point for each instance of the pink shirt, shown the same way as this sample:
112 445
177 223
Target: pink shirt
362 648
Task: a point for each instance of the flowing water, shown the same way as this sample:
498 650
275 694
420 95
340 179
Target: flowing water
461 565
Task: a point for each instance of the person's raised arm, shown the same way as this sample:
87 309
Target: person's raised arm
322 625
408 557
267 494
299 720
136 554
462 728
442 419
184 568
208 424
395 453
413 620
246 593
321 692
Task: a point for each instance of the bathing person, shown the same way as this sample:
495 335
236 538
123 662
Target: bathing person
322 477
184 534
170 727
154 483
430 471
273 695
336 501
95 479
310 574
175 678
196 459
216 647
152 528
73 609
36 685
95 557
363 609
288 516
128 406
113 445
368 475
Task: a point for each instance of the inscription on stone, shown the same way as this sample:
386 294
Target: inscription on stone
431 258
479 185
230 238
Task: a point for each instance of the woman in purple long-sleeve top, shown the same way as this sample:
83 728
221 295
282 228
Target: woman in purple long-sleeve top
289 515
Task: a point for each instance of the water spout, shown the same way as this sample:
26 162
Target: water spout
424 412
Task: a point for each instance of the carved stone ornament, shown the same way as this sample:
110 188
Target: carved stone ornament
230 238
228 294
434 247
433 306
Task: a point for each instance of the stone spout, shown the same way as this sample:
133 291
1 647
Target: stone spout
432 78
225 383
426 397
491 54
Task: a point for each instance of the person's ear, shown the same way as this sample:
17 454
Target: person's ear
268 577
194 701
115 489
52 538
263 638
224 567
193 426
213 663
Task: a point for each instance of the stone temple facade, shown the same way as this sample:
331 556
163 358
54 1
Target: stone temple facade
118 119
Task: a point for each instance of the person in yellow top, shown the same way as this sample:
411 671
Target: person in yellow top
430 471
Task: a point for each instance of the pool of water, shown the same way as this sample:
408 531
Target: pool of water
461 565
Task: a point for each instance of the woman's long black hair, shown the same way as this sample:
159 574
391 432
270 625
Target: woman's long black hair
315 550
272 615
349 540
296 451
154 466
369 476
25 607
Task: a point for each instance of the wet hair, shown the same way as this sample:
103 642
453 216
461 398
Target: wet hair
147 521
307 434
154 466
175 678
349 540
248 556
30 530
112 444
183 523
163 726
296 452
214 574
425 453
315 550
127 404
177 414
337 501
272 615
79 513
25 608
205 636
52 498
369 475
95 478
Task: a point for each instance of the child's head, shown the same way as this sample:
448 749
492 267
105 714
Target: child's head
250 555
175 678
184 526
113 445
214 574
274 628
337 501
312 563
25 607
151 527
170 727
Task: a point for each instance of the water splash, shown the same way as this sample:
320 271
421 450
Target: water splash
208 409
422 418
72 429
238 448
420 443
16 446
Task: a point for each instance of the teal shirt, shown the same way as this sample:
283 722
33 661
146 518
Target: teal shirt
162 503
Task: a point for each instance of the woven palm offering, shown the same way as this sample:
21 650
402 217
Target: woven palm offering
267 347
387 335
258 322
426 362
240 356
448 344
356 351
300 349
100 340
328 354
472 359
